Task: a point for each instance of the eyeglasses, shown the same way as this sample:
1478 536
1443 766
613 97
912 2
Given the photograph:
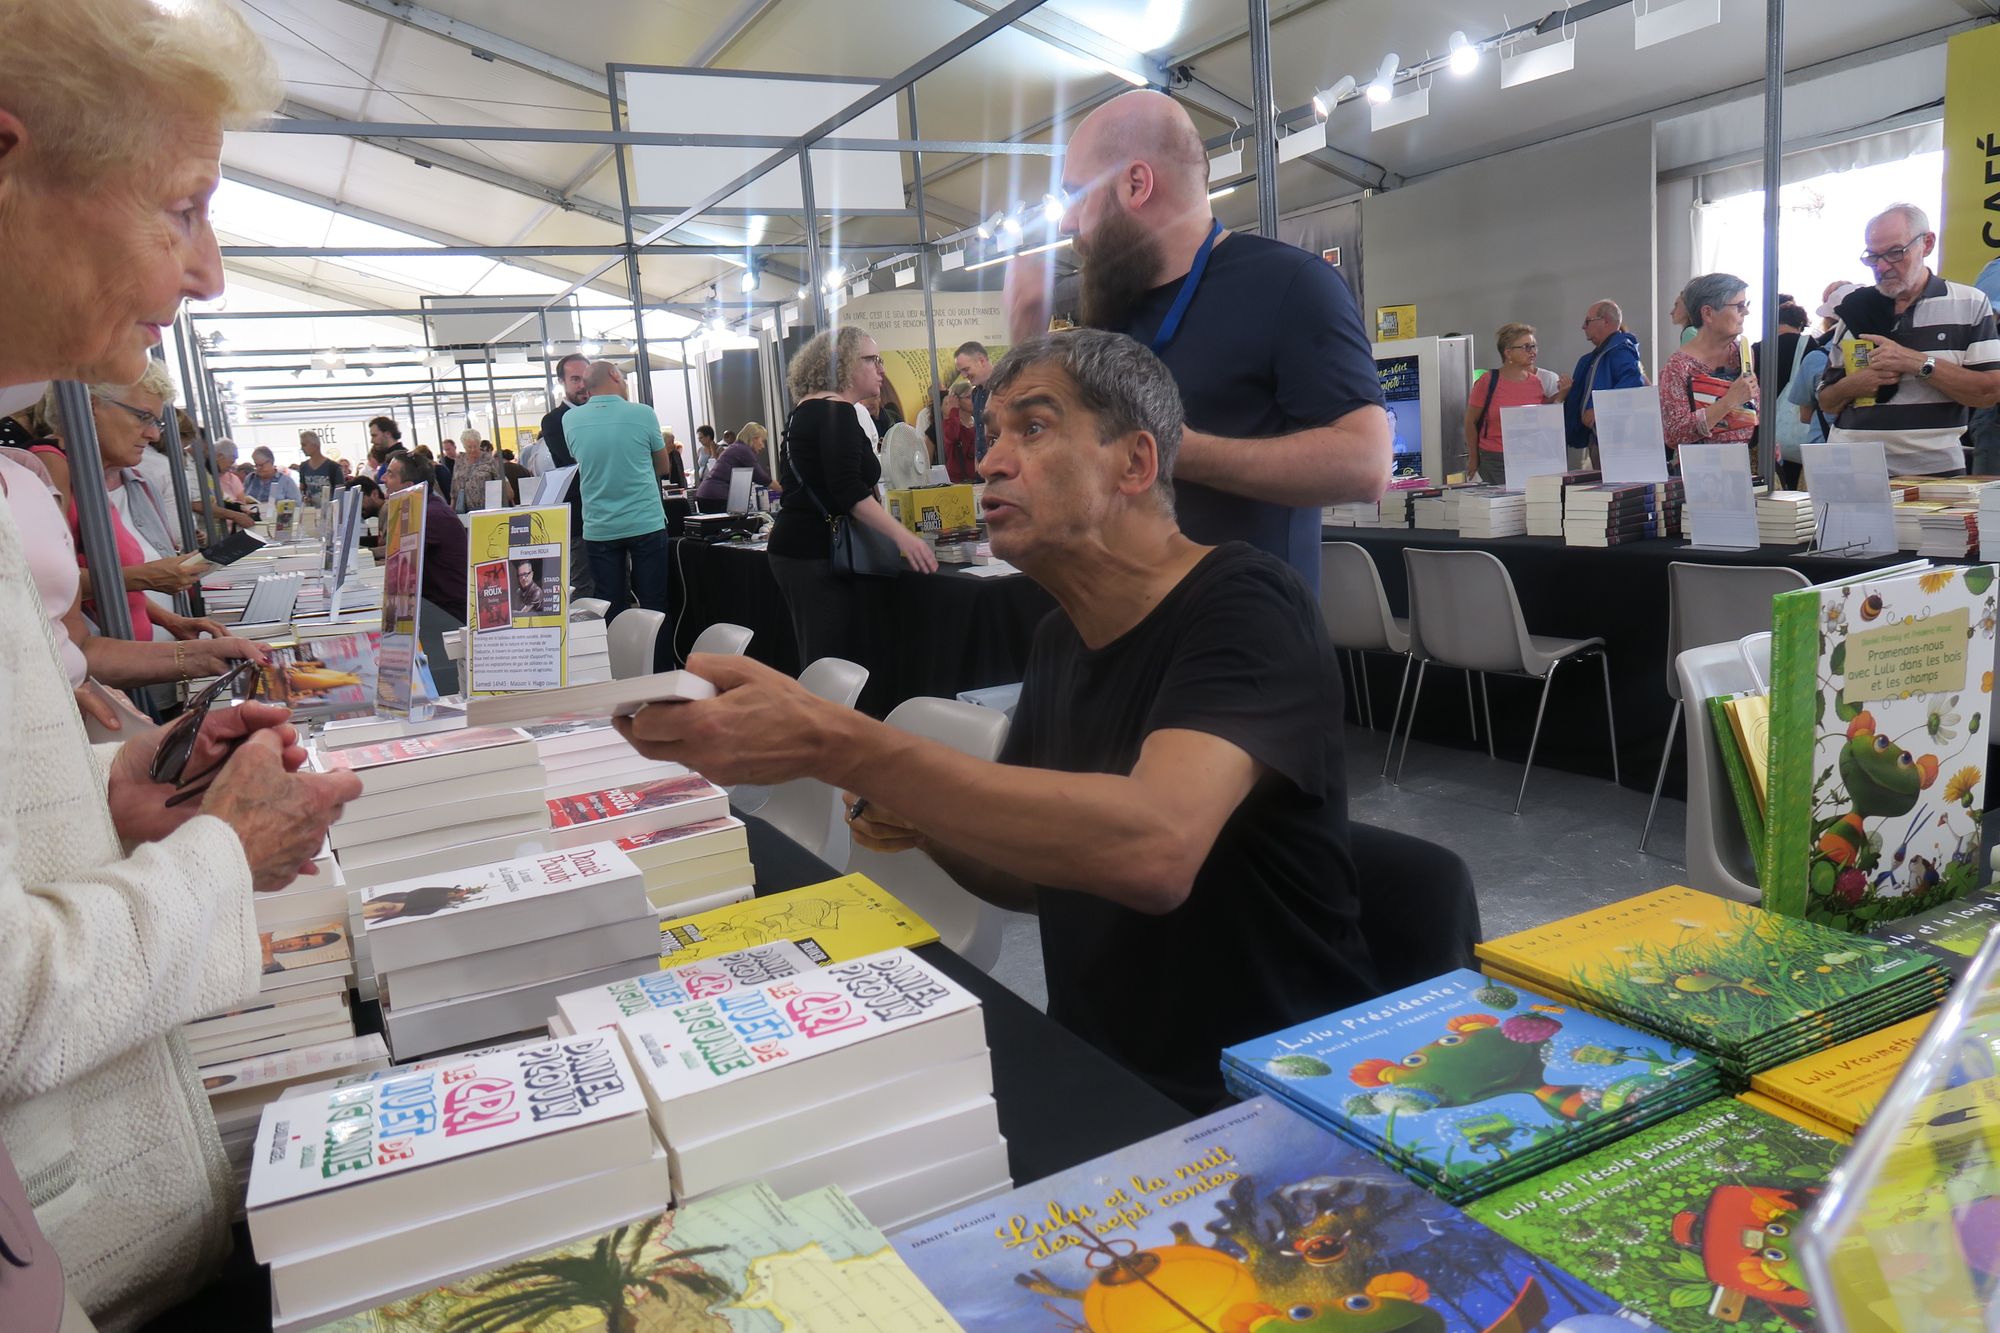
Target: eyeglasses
1893 255
139 414
170 761
875 360
1525 347
1740 307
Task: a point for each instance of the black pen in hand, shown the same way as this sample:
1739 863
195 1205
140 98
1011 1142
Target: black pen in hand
858 809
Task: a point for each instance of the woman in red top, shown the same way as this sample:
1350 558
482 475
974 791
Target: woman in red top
1707 394
957 434
1519 382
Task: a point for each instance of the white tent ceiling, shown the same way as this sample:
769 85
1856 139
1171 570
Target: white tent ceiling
526 63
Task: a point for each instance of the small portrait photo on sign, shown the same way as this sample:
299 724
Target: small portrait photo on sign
496 605
531 586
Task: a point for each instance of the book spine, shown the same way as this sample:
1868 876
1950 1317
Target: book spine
1786 866
1738 769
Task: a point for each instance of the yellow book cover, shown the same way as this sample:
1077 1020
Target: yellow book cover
843 918
1805 1120
1854 355
1843 1086
1750 719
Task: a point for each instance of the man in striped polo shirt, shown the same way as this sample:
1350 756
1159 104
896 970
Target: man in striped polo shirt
1943 356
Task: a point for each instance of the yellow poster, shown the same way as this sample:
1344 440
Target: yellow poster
517 600
1970 233
1395 321
895 320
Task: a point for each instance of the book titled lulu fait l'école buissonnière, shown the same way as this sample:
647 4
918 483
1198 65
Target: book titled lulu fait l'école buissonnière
603 1006
1693 1222
1466 1084
1881 701
1252 1218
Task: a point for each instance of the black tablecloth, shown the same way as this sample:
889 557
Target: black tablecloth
1061 1102
1618 594
924 634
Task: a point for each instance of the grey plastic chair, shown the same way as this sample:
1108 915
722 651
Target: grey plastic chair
1464 613
1356 608
722 637
1719 859
1711 604
631 642
807 810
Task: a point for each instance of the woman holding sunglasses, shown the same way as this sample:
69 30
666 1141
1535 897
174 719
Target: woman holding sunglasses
123 914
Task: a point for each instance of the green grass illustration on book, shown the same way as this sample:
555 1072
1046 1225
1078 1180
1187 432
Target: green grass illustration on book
1750 979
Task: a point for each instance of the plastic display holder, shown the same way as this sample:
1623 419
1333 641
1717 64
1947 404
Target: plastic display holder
1906 1234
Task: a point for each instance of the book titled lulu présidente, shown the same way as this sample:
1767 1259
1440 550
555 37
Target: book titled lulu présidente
1466 1084
1752 988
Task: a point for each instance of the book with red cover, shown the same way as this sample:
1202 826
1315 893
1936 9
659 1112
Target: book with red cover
645 807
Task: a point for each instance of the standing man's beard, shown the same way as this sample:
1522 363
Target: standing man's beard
1123 265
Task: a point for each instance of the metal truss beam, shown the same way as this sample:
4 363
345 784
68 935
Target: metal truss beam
485 44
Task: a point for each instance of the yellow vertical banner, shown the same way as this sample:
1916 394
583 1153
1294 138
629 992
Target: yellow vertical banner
517 600
1971 232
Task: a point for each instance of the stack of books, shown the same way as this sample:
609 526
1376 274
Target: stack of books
872 1075
1834 1092
361 1192
627 810
1493 513
1353 515
1989 523
477 785
694 867
811 1264
343 733
238 1091
1399 503
603 1006
833 922
589 650
1909 515
1750 988
1946 490
318 896
1693 1222
1432 512
1951 933
301 1000
1670 500
1785 518
587 754
1545 499
1466 1085
1951 531
473 955
1609 515
1252 1218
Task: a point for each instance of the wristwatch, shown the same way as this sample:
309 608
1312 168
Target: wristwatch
1930 364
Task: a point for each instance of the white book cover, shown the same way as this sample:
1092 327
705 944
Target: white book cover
424 825
251 1047
412 760
316 1144
711 1043
549 958
286 1068
415 921
474 787
603 1006
704 837
583 702
496 1015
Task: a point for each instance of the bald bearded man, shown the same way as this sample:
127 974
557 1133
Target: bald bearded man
1277 377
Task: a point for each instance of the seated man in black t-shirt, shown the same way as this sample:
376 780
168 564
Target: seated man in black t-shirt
1171 799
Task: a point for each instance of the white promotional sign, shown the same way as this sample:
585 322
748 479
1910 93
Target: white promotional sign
1721 510
1631 444
1532 442
1850 497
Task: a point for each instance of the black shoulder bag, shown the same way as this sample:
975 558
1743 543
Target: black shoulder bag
858 551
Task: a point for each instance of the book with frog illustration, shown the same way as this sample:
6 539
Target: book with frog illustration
1693 1221
1881 692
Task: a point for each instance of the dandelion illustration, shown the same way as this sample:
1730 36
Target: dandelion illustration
1935 581
1960 786
1298 1066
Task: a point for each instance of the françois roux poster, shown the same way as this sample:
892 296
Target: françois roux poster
517 600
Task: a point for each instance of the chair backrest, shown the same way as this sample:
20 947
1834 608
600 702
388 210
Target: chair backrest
1353 601
1463 612
966 924
1719 859
722 637
1419 913
631 640
835 679
588 608
1719 604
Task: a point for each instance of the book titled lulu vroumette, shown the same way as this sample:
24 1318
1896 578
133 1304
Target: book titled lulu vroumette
1253 1218
603 1006
1881 693
832 922
1693 1222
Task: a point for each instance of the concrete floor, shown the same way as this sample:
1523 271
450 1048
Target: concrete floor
1574 845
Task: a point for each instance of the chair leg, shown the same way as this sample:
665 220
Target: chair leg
1411 725
1610 722
1673 728
1471 713
1487 704
1367 693
1535 737
1389 751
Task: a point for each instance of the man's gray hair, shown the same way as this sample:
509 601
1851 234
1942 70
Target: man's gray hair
1920 221
1610 310
262 454
1117 380
1712 290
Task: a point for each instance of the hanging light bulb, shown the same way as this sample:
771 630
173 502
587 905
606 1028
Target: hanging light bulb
1464 55
749 281
1324 103
1010 231
588 348
834 277
1384 86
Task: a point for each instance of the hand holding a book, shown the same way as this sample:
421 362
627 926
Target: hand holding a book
167 574
762 726
1888 361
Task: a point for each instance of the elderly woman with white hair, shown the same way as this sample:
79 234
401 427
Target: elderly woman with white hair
121 916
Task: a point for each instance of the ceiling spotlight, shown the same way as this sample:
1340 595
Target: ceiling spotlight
748 283
548 349
991 225
1464 55
1010 230
834 277
588 348
1052 208
1384 86
803 293
1325 102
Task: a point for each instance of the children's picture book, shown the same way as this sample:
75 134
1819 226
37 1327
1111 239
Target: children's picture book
831 922
1950 932
1880 702
1844 1084
1693 1222
1252 1218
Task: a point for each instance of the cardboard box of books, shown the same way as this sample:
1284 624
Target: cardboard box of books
934 510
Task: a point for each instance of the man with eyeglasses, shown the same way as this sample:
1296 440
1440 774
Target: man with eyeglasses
1611 363
1276 372
1936 343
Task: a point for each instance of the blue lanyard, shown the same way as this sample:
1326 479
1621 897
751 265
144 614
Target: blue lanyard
1172 323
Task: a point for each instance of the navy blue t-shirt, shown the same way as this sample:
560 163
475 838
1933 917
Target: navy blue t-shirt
1272 343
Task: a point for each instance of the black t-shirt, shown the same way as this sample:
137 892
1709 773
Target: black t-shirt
824 452
325 468
552 435
1270 935
1272 343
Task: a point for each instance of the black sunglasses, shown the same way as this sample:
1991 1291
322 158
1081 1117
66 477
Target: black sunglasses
176 750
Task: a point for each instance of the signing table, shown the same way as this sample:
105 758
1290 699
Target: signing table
1060 1101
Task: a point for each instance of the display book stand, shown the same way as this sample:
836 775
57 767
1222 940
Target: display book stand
1906 1234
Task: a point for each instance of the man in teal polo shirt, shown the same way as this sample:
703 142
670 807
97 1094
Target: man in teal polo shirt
620 457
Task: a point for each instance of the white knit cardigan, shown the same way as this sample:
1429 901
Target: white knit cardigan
103 955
